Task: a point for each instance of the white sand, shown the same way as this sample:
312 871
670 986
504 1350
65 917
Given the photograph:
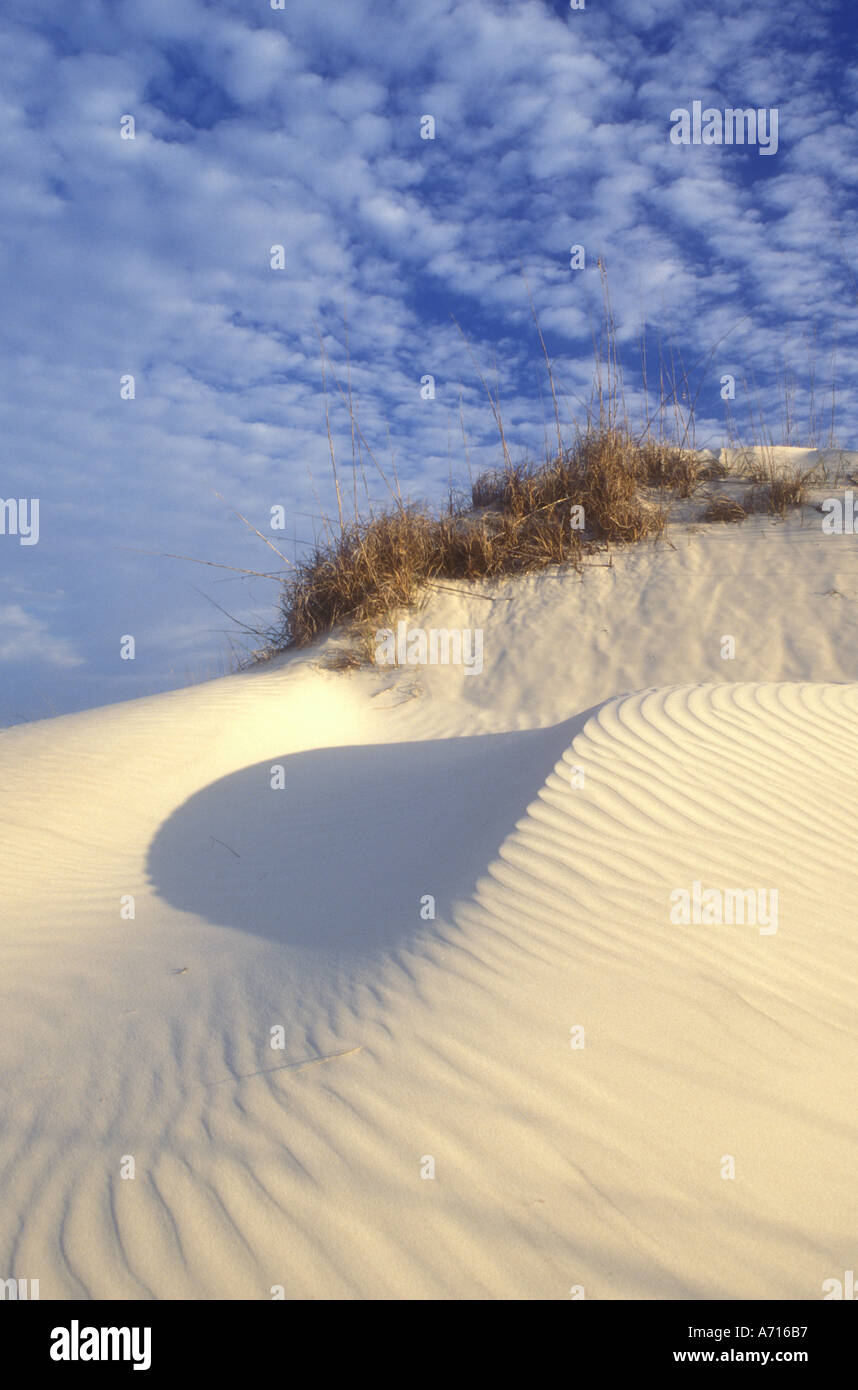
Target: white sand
821 465
598 1166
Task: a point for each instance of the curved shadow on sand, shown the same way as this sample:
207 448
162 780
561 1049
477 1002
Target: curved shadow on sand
339 859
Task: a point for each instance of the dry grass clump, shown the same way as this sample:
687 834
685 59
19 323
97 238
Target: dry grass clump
368 569
605 481
521 489
376 566
484 548
779 488
600 474
490 488
788 489
664 465
723 508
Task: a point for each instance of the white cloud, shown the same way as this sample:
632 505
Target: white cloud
25 637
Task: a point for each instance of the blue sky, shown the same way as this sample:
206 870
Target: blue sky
301 127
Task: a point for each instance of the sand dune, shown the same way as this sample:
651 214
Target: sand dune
551 818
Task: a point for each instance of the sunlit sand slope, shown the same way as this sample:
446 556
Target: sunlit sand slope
549 1085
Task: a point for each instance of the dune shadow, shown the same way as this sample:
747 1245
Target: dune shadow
339 858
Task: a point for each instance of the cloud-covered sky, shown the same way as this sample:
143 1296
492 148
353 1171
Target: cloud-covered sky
300 127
